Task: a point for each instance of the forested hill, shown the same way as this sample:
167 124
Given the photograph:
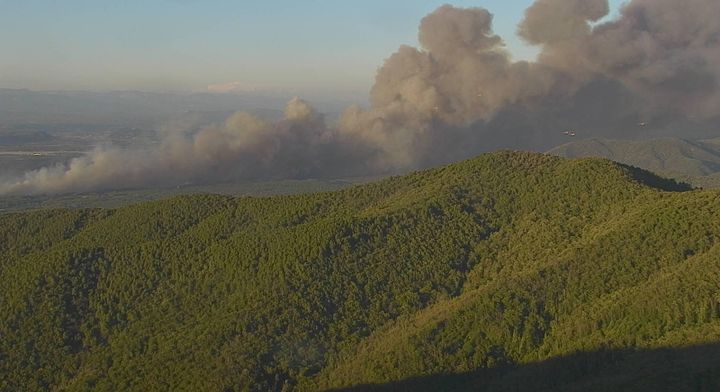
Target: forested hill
693 161
511 271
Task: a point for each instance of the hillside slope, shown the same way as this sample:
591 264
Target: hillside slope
697 162
463 275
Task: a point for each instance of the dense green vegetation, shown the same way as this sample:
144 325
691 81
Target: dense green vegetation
477 275
115 199
692 161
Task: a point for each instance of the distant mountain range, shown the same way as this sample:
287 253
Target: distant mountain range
508 272
696 162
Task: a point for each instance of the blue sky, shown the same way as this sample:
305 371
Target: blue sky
332 45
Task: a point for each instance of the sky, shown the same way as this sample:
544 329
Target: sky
187 45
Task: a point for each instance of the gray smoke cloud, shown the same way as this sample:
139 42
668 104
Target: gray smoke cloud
244 147
458 94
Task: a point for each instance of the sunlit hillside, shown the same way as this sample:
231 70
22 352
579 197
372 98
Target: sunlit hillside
511 271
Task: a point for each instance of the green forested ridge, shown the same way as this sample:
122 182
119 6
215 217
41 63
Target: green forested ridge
476 275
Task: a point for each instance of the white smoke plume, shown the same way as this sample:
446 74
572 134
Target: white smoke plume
458 94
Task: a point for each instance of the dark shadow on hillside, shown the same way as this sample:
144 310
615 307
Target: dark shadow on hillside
655 181
695 369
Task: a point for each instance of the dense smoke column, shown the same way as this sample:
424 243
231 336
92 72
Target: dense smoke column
655 70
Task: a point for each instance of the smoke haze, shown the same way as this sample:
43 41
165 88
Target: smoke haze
459 94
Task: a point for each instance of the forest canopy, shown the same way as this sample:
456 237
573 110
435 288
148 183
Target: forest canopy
508 268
